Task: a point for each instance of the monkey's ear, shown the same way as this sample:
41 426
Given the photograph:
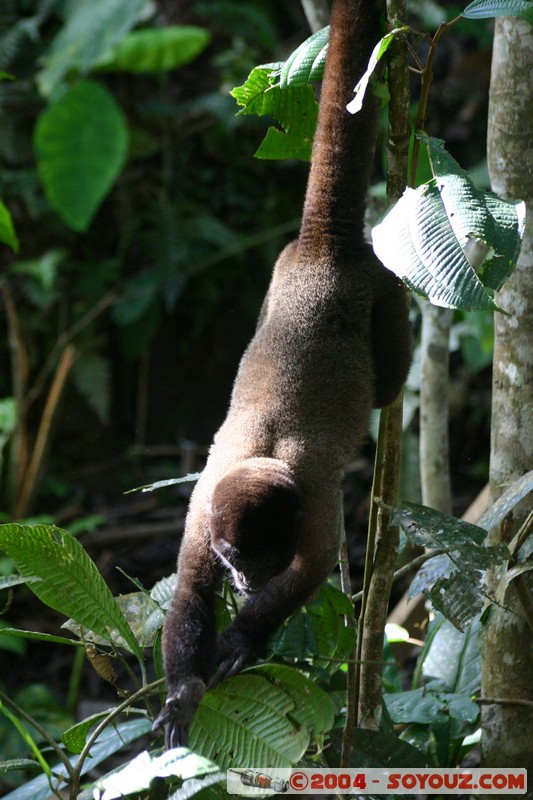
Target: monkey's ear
256 500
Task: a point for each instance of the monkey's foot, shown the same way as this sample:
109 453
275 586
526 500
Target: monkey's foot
178 711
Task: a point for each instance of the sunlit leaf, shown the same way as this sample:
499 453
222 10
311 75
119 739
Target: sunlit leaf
70 582
480 9
377 53
295 108
306 63
448 240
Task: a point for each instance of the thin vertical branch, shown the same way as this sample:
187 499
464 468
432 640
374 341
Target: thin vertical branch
351 709
383 538
43 434
372 629
19 381
317 13
435 346
434 412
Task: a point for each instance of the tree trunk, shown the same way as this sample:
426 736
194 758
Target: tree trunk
507 671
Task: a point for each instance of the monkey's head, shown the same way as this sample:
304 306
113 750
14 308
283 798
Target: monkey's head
254 519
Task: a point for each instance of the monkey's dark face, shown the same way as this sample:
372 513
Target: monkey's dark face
254 521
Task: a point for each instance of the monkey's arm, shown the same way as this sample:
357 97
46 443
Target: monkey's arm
283 594
189 638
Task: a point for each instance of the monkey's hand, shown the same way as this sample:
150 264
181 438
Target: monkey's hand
235 649
178 711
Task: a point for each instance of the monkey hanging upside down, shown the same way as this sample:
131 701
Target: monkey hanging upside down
333 340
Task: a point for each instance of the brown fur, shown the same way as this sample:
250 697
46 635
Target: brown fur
333 340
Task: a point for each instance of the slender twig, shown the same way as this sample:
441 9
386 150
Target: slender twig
21 714
387 543
317 13
63 340
383 538
520 583
350 721
19 380
427 80
407 569
43 433
91 739
503 701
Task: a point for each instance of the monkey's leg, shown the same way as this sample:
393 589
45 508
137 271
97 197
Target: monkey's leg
391 338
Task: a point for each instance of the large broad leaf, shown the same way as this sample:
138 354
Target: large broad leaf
449 241
80 145
110 741
318 633
430 705
156 49
91 30
480 9
455 582
175 766
247 720
7 229
377 749
509 499
306 63
69 580
295 108
377 54
313 708
454 657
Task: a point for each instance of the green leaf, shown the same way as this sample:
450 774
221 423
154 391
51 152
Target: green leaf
137 776
109 742
494 515
377 53
334 638
70 582
313 708
43 270
19 763
39 637
295 108
7 229
247 720
376 749
80 145
8 422
92 377
142 614
151 487
448 240
453 582
480 9
459 596
91 30
454 658
156 49
318 632
306 64
75 737
430 705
